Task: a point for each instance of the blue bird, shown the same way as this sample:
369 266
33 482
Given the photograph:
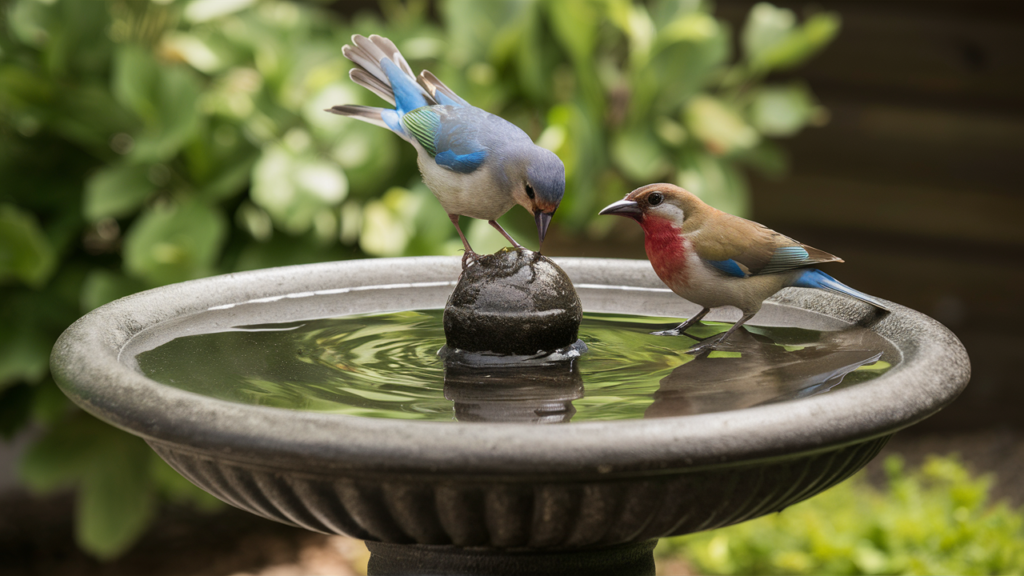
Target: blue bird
476 164
714 259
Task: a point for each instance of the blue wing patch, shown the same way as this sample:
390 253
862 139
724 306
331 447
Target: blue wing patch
451 140
461 163
728 267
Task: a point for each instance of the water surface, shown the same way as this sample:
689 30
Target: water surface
386 366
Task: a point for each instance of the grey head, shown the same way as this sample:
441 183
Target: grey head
539 184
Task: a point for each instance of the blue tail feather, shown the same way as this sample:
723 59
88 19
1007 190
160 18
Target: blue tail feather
408 94
814 278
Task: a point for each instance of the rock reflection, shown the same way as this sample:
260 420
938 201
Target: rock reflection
763 374
539 394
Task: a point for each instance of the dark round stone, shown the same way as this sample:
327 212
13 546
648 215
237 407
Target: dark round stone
513 302
521 393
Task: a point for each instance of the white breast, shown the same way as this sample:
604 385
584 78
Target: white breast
474 194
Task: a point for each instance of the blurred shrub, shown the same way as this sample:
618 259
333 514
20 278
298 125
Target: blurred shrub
935 520
143 143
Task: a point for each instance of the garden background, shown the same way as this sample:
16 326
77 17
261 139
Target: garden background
144 143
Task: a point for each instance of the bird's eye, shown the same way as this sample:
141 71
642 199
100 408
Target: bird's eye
529 191
655 199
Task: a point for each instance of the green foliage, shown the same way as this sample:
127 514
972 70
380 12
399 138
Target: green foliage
934 520
118 478
143 143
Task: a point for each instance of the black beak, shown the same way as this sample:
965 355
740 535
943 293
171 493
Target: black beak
627 208
543 219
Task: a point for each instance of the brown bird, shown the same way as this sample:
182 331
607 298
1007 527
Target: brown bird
714 259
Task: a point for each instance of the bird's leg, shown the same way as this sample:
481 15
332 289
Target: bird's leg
503 233
684 326
469 255
713 342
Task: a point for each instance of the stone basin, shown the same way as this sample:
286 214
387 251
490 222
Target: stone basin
486 497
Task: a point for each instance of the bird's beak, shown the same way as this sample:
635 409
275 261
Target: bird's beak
543 219
627 208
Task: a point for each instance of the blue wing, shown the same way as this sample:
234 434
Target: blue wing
729 268
449 138
781 259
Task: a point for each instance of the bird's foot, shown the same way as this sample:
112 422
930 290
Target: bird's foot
469 258
682 328
703 348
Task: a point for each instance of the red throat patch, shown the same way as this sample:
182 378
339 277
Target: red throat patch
665 249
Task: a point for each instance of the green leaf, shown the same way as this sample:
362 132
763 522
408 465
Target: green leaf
284 250
771 41
102 286
480 31
117 190
90 116
175 242
24 354
576 24
718 126
686 55
164 96
715 181
25 251
79 43
198 11
293 187
178 118
384 231
63 455
205 56
369 156
770 159
115 501
782 111
767 27
115 498
937 519
30 21
639 156
49 404
134 80
22 88
230 180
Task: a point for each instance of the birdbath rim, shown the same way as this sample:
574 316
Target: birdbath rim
89 365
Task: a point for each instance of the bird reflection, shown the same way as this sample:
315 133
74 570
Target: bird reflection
764 373
540 394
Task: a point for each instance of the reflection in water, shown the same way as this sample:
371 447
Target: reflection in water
539 394
762 374
386 366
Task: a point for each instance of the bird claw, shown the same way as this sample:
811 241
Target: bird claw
468 259
702 349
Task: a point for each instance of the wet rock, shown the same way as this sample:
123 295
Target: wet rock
513 302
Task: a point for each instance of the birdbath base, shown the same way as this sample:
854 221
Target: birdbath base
634 559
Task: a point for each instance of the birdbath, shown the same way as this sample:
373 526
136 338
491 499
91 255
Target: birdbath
503 487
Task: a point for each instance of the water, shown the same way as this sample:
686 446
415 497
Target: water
386 366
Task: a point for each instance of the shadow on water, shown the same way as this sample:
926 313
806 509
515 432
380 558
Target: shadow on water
762 373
